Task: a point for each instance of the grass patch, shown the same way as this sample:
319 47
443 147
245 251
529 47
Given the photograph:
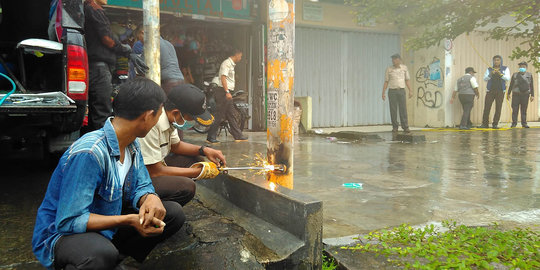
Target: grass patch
457 247
328 263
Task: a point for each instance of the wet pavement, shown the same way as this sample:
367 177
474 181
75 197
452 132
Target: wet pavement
476 178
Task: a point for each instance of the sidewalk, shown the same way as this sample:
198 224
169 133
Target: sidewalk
388 128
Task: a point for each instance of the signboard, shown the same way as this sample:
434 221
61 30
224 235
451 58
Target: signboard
235 9
312 12
272 109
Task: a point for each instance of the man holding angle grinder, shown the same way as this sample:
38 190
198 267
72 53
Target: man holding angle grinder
172 163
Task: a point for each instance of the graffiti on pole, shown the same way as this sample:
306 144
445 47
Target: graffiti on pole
280 95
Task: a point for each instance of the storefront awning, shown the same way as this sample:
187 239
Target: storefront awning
231 9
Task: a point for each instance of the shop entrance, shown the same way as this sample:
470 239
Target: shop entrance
201 45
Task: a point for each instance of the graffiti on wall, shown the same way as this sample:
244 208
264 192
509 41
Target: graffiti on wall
430 80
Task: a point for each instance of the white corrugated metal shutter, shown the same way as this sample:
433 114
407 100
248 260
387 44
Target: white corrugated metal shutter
343 72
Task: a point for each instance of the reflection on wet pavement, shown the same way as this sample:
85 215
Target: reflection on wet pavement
472 177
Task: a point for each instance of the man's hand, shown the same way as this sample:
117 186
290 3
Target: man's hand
155 228
215 156
228 96
410 94
532 98
507 97
151 209
383 96
452 100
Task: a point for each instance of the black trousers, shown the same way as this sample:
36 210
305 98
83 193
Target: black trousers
498 97
178 189
520 102
398 100
91 250
467 102
224 111
99 95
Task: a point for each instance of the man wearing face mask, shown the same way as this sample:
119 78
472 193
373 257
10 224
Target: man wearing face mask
172 163
521 90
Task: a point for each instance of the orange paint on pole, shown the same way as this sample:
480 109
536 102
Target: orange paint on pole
280 85
275 74
286 128
291 84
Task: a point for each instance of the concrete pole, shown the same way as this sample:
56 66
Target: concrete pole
280 95
151 39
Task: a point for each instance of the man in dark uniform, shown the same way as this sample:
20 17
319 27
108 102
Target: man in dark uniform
496 78
521 89
467 88
103 49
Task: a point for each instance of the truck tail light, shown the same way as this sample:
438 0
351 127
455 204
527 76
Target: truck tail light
77 72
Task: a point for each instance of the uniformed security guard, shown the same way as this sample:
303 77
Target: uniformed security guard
467 87
521 90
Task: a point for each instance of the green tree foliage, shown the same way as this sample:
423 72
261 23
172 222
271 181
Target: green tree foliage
436 20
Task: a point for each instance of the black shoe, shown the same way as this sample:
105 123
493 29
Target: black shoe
495 127
394 130
483 126
212 141
525 126
513 125
407 131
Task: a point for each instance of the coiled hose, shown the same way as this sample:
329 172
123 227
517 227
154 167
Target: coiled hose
12 90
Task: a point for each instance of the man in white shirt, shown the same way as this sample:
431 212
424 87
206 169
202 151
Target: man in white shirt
172 163
224 100
467 88
396 78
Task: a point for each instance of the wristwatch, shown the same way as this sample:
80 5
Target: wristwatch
201 150
227 91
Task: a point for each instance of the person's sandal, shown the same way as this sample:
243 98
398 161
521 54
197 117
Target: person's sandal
212 141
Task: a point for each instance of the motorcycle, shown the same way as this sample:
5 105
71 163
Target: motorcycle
240 113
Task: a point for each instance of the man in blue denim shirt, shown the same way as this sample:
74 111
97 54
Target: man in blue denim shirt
100 205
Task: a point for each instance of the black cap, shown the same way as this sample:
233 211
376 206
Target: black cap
523 63
394 56
189 99
469 70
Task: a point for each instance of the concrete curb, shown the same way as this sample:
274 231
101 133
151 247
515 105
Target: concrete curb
351 135
356 135
287 222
